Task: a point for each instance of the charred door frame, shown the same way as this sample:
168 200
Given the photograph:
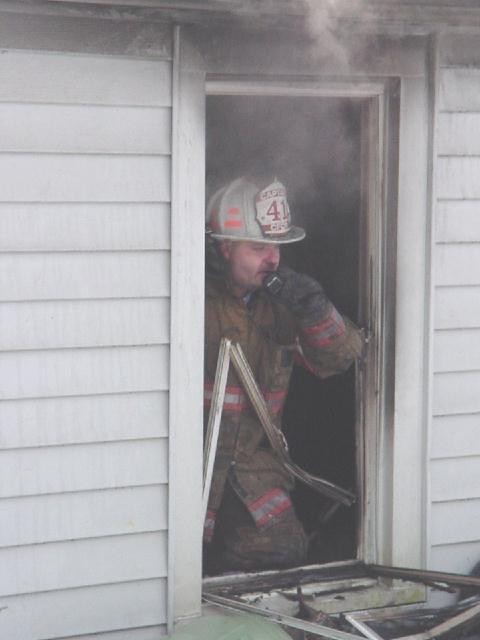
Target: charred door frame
377 275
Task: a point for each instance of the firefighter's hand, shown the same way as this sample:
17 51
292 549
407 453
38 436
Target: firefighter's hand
303 296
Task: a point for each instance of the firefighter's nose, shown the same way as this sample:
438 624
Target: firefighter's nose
273 257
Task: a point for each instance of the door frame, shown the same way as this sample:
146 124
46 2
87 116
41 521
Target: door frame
378 171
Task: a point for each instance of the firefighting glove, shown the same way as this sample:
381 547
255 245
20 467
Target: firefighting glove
302 295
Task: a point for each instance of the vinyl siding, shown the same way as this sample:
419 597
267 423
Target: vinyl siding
56 613
85 155
144 633
455 448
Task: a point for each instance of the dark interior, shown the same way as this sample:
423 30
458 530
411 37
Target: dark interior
312 144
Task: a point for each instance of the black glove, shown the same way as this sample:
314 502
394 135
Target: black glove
302 295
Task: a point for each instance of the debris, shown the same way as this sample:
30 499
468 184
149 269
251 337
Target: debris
312 627
307 613
252 593
426 624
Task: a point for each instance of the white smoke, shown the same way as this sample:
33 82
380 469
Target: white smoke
325 19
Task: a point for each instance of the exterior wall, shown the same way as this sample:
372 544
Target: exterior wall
455 434
85 289
84 325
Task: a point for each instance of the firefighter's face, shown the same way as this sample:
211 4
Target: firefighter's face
249 263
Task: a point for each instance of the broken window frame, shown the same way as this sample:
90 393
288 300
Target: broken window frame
457 622
232 353
221 593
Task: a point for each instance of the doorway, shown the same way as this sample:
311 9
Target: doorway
316 146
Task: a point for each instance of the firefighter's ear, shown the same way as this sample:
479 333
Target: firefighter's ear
225 247
215 263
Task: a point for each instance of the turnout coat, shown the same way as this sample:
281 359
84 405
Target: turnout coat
272 340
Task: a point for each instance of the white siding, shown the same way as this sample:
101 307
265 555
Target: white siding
99 178
457 307
457 350
144 633
84 323
455 449
457 558
84 80
54 614
85 146
85 467
53 128
82 514
53 566
85 226
40 422
455 479
456 435
74 275
458 221
68 372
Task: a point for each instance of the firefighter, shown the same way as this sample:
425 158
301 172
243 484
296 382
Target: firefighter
251 523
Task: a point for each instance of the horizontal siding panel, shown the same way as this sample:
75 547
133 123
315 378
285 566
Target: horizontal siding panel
84 226
456 436
70 372
459 49
458 221
457 307
458 178
68 516
70 276
455 521
457 264
457 350
72 79
459 89
456 393
87 610
148 633
458 134
83 467
84 323
75 420
455 558
86 35
79 563
51 128
84 178
455 479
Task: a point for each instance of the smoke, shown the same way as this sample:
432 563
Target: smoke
312 144
324 22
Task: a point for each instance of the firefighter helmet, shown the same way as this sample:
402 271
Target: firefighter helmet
242 211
